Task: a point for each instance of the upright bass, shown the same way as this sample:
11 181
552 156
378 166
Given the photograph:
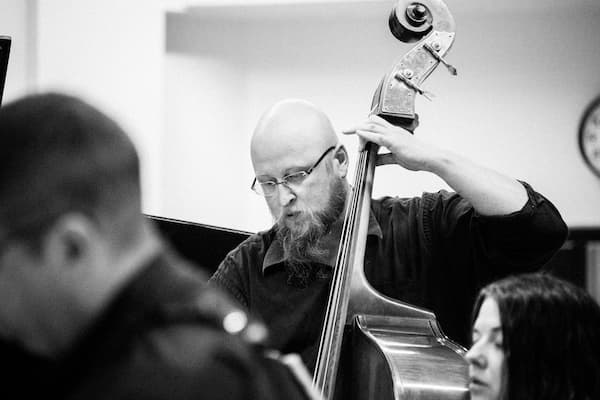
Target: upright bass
398 351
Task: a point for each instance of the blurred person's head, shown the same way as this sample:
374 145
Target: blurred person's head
301 171
535 337
71 229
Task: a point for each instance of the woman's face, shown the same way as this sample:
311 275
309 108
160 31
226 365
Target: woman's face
486 356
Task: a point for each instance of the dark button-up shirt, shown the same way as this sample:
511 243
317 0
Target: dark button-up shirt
433 251
161 338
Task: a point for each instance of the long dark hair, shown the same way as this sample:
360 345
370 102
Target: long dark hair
551 337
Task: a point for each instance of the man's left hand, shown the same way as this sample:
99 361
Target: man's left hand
406 150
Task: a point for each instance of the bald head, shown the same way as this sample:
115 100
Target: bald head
291 128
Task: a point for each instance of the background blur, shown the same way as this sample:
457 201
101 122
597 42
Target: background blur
188 80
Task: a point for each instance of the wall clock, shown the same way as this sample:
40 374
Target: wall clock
589 136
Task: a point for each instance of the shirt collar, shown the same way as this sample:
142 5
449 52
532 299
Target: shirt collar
274 255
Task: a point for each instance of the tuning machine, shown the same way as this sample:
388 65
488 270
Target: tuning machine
433 50
405 76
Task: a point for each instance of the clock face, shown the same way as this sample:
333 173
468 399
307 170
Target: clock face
589 136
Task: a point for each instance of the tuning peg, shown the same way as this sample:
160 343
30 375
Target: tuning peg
435 55
405 76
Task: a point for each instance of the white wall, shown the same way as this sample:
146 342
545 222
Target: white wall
526 72
202 171
525 77
109 52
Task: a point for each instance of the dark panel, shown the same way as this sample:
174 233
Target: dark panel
570 262
205 245
4 53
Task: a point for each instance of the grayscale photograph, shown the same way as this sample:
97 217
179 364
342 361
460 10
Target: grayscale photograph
300 199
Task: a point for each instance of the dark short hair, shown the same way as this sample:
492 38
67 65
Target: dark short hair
59 154
551 337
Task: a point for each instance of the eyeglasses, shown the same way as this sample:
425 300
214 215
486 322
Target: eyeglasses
268 188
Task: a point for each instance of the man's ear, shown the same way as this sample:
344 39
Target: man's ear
70 241
341 156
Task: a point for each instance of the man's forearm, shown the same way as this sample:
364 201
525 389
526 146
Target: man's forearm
490 192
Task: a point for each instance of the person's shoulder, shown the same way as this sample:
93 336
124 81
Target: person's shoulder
192 346
242 264
256 244
219 365
395 202
183 361
178 361
416 205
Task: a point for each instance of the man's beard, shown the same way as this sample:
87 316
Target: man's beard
302 239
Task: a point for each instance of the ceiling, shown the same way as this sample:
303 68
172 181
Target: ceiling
253 10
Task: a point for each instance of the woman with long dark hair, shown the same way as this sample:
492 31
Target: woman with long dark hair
535 337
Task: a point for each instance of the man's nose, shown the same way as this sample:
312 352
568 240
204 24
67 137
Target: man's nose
285 194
